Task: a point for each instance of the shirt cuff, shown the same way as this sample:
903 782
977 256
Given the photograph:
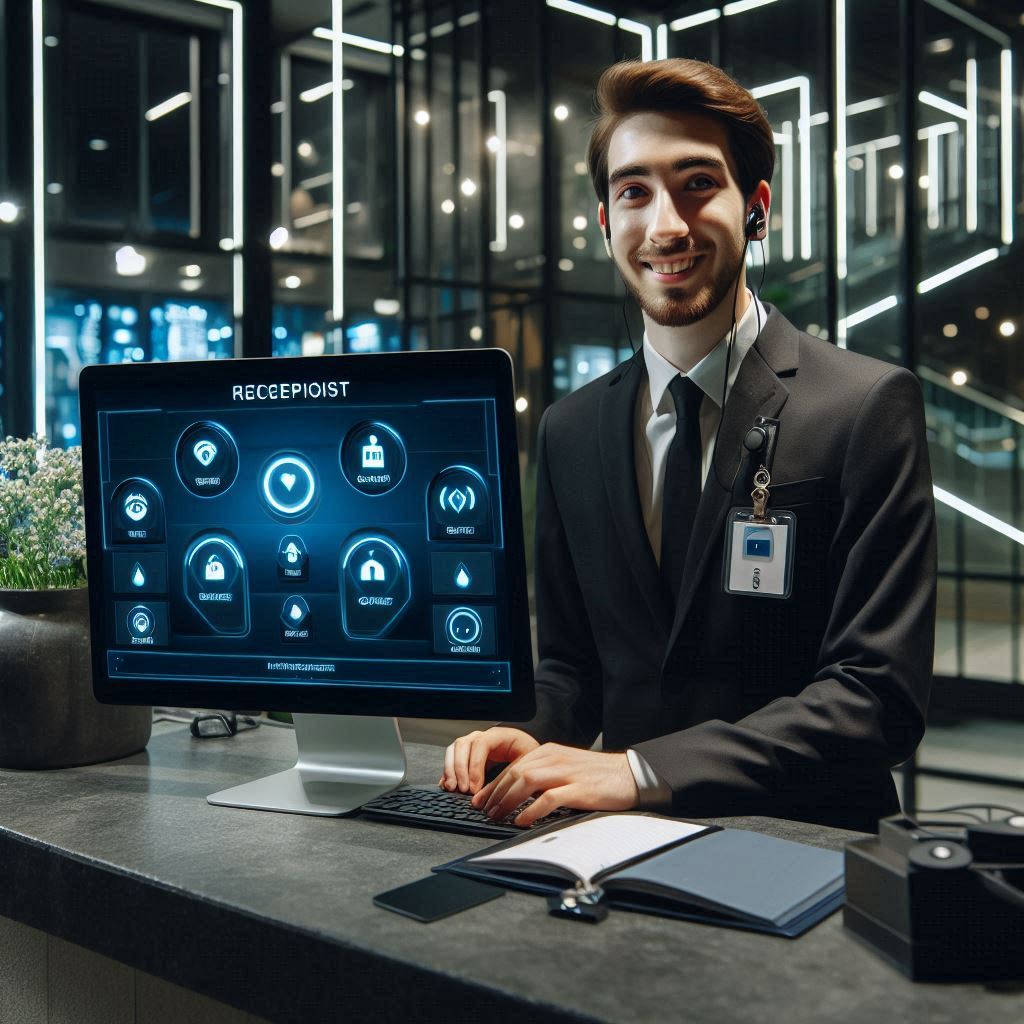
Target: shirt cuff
655 795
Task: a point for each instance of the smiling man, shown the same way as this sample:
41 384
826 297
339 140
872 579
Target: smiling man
736 659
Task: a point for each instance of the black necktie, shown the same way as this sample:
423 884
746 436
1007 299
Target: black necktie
681 493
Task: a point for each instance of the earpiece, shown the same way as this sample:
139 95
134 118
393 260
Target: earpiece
755 228
608 243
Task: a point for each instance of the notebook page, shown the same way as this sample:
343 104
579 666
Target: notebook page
590 847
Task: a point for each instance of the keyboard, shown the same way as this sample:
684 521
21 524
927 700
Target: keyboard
450 812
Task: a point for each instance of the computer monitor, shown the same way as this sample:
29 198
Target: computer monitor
339 537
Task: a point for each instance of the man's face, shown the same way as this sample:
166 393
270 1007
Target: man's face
676 214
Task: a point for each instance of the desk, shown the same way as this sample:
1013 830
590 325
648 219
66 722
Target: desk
271 913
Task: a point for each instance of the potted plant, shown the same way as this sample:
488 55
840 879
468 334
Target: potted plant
48 715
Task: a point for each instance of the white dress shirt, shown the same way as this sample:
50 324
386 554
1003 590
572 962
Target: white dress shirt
655 427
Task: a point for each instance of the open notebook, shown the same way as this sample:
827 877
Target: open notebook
675 868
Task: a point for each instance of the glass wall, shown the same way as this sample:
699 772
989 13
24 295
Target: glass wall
464 213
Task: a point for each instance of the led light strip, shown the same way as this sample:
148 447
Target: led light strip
862 315
500 243
787 190
645 32
971 151
338 165
741 6
1006 142
978 515
38 226
802 84
839 169
945 276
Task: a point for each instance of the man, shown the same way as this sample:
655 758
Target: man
713 701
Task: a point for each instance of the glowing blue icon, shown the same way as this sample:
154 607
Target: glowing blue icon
371 570
205 451
757 543
214 570
373 454
138 576
136 506
291 553
462 577
457 499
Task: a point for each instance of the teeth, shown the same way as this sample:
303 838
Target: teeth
673 268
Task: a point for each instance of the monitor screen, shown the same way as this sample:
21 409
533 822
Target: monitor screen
339 534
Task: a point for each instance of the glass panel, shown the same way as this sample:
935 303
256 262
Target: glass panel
989 631
946 656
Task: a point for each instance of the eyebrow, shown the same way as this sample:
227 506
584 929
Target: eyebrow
641 171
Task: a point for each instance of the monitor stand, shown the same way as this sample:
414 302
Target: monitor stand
343 762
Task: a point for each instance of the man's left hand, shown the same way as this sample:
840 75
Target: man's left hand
560 776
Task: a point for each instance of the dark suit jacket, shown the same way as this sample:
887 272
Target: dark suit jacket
792 708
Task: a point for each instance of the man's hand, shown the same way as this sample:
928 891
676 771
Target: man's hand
560 776
466 760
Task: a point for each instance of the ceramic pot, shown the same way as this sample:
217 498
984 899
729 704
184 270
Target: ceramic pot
48 715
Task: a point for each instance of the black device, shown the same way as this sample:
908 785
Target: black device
755 222
450 812
436 896
340 537
940 902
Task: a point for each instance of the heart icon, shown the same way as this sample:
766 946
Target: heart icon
288 479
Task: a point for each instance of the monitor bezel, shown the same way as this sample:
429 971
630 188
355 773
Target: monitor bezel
309 697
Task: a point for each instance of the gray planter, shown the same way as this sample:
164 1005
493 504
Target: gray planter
48 715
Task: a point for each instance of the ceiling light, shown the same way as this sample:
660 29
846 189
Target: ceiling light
895 172
8 212
305 150
515 221
386 307
292 281
566 265
277 169
522 405
421 117
190 270
55 188
227 244
129 261
982 312
178 100
476 332
494 143
579 222
949 331
1007 328
959 377
278 237
468 187
561 112
447 206
98 145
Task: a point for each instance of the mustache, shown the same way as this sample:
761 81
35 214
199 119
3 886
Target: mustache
686 245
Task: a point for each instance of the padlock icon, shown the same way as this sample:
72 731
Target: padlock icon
214 569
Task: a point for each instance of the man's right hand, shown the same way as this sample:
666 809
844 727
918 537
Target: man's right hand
466 760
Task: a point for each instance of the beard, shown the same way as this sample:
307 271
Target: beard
674 307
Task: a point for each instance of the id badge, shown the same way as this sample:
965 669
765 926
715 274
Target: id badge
759 553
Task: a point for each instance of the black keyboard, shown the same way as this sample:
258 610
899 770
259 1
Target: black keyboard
450 812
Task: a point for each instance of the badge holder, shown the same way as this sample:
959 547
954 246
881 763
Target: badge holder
759 546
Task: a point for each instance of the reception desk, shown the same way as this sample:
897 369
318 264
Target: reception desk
271 914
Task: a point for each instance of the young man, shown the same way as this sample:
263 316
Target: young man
717 700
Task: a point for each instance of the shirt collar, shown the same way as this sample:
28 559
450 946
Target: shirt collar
708 374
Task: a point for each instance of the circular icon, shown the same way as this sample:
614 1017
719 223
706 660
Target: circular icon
141 622
463 626
136 512
207 459
373 458
288 485
459 506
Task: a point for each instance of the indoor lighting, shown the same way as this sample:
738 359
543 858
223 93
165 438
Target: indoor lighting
565 264
515 221
579 222
949 331
951 273
982 312
959 377
579 242
292 281
895 172
561 112
1007 328
304 149
318 92
227 244
494 144
421 117
8 212
98 145
386 307
447 206
190 270
468 187
476 332
278 237
522 404
178 100
129 261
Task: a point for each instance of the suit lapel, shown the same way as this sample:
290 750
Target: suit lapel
616 437
757 392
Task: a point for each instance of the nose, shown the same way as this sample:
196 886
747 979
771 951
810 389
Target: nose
668 224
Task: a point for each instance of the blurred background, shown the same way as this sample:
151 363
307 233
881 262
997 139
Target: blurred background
196 179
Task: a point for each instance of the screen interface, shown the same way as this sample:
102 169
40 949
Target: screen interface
338 525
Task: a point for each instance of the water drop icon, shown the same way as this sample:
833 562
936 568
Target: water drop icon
138 576
462 577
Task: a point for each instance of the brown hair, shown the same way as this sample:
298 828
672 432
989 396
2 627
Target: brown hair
689 86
